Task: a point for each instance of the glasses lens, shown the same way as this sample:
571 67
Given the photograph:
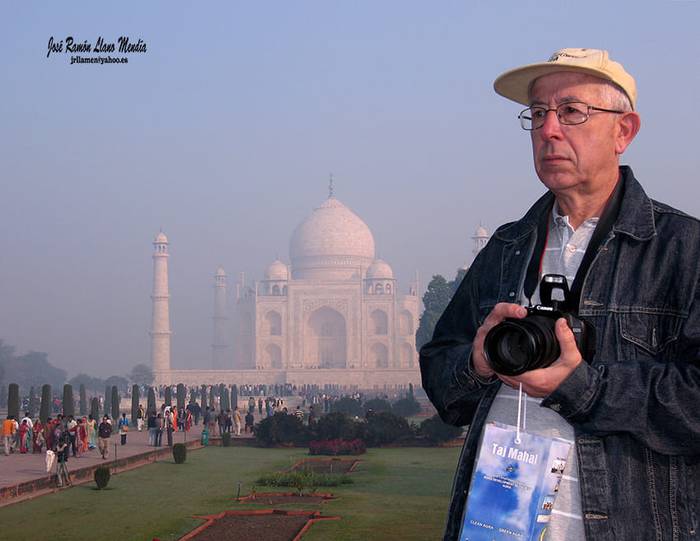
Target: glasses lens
572 113
526 119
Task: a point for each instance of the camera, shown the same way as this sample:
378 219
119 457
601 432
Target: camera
515 346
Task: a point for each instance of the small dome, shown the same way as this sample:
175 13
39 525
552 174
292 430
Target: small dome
380 270
161 238
277 271
220 271
481 232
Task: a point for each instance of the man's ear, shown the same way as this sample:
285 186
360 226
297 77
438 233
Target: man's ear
627 127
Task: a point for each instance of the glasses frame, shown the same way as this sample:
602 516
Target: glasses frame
546 110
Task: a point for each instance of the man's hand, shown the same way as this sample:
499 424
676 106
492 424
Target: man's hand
543 381
500 312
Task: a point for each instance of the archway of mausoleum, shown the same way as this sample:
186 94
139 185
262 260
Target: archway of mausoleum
326 339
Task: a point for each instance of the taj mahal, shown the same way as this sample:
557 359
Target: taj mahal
334 315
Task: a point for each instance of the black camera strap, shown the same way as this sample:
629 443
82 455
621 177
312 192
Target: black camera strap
603 228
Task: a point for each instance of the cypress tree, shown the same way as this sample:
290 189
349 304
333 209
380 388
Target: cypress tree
95 408
45 408
115 402
180 396
234 396
168 396
223 393
211 397
83 400
135 397
203 397
32 403
151 406
13 401
108 399
68 403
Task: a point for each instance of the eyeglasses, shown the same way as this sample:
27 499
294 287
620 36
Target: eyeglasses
569 114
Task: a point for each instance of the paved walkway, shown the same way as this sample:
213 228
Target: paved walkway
18 468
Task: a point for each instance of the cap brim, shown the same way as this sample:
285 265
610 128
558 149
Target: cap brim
515 84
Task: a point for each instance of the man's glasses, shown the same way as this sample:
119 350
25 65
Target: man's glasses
570 114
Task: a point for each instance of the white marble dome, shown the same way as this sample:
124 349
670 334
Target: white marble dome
277 271
380 270
333 243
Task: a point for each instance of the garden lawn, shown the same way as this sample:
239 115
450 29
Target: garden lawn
397 493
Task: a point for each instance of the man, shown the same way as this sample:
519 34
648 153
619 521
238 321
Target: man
72 426
237 420
140 415
104 431
631 408
9 427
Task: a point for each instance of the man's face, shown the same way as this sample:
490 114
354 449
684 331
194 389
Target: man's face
581 157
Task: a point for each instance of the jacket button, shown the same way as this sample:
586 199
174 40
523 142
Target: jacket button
511 294
517 252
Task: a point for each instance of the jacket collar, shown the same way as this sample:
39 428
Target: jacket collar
636 216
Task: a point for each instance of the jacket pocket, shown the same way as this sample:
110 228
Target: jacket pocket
650 331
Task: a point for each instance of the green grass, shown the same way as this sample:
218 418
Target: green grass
397 494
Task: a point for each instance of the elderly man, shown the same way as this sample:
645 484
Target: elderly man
627 400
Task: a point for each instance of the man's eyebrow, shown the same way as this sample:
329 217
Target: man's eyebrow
565 99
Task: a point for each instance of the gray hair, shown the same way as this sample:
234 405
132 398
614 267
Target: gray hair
615 97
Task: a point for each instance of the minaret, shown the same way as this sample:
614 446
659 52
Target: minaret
480 238
219 347
160 323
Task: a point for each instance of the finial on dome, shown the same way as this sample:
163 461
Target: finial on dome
330 187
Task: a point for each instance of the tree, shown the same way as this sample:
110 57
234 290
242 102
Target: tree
68 403
203 394
108 399
141 374
376 405
13 401
30 369
95 408
212 402
348 406
33 402
234 396
151 404
180 393
115 402
122 384
436 298
135 397
168 396
224 397
45 409
92 384
83 400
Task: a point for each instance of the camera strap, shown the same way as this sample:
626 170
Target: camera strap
603 228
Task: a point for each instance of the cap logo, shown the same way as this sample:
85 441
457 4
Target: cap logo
569 54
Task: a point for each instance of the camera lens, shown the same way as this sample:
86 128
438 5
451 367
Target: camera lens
515 346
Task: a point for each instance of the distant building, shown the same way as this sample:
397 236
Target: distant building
333 316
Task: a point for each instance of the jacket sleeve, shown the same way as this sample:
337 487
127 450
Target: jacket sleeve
656 402
452 386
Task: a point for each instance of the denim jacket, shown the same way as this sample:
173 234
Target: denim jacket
635 406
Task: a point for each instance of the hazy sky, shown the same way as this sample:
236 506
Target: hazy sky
225 131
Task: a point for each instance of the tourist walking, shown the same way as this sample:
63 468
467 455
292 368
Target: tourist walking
237 421
8 434
159 430
169 426
104 431
123 428
62 475
92 432
140 415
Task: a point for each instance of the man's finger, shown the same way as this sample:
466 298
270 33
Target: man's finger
565 335
502 311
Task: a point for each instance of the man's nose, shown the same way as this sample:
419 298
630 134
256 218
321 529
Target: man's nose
552 126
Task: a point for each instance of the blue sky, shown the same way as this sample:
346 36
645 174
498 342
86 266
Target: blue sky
225 131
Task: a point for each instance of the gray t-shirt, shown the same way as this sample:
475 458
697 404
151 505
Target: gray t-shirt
563 254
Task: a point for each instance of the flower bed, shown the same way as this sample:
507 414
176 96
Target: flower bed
337 447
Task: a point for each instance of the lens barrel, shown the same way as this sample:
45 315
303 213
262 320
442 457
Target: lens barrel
515 346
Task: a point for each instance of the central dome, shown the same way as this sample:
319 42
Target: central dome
331 244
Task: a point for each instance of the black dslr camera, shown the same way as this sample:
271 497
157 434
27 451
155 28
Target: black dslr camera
516 345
